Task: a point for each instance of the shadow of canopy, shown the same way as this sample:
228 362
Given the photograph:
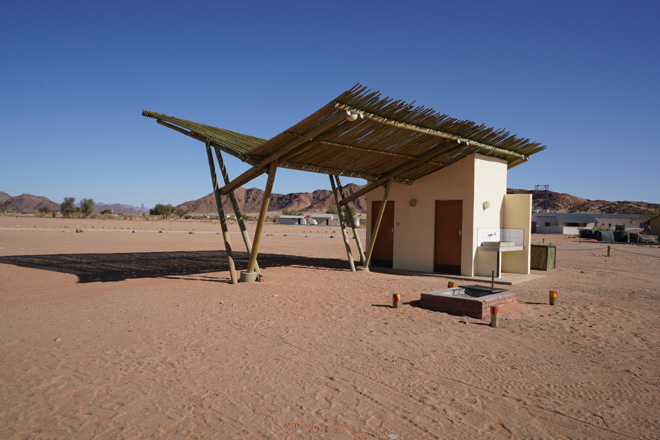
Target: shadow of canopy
117 267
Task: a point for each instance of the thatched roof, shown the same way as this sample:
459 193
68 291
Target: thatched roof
389 138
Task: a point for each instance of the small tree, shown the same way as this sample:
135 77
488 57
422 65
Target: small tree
44 210
162 210
4 205
331 211
87 207
180 212
68 207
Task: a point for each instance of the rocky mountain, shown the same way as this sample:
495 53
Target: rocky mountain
321 200
249 201
27 203
562 202
30 203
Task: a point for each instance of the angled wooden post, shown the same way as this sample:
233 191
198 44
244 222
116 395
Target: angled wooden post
234 204
374 232
221 213
272 168
351 221
341 225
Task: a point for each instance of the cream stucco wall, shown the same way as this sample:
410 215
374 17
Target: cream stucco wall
517 214
490 186
474 180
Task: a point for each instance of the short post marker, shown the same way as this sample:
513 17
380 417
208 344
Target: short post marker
609 250
553 297
396 299
451 284
494 321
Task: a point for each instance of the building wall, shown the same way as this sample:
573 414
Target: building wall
628 223
517 214
474 180
654 223
490 186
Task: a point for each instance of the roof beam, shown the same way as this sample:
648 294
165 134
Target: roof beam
197 136
260 168
430 131
383 152
433 152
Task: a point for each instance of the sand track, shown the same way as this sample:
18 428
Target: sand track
116 334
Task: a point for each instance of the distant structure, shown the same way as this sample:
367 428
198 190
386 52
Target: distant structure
542 192
571 223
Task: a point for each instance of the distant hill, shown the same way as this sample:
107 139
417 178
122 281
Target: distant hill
27 203
118 208
321 200
30 203
561 202
249 201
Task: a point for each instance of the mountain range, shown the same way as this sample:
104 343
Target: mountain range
249 201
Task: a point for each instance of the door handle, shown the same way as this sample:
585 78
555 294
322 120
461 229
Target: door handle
392 229
460 232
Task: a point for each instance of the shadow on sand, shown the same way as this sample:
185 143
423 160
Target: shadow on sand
91 268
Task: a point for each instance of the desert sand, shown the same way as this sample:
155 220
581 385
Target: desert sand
112 333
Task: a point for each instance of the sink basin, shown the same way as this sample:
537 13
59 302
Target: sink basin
498 243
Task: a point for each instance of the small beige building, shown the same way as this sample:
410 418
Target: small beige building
441 222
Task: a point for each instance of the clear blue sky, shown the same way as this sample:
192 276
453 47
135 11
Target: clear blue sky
582 77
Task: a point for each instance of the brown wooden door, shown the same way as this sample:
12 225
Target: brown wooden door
383 254
448 234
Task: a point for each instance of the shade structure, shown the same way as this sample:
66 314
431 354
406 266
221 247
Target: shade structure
358 134
386 136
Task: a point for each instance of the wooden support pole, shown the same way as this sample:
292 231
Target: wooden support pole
351 221
221 214
430 154
260 168
342 226
374 232
234 204
252 263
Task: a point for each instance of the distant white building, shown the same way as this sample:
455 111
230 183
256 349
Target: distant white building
570 223
292 220
324 219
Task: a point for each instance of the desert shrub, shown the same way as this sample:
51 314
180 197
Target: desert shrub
68 207
87 207
180 212
161 210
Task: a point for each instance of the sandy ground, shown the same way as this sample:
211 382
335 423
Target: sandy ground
112 333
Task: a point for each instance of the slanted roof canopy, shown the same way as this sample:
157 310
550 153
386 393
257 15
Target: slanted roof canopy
389 139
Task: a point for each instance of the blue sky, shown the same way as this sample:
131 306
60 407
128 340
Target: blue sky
582 77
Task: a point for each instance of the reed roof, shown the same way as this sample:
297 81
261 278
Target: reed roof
387 135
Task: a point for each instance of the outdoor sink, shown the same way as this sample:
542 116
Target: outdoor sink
498 243
500 246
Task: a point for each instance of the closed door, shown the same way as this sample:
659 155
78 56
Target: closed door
383 254
448 234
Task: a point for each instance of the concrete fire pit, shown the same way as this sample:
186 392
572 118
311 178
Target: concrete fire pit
473 300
